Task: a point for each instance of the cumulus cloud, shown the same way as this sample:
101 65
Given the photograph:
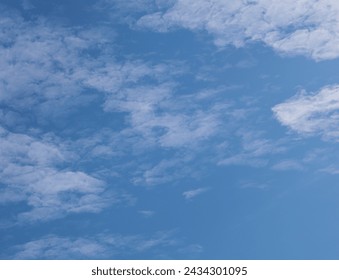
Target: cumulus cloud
311 114
303 27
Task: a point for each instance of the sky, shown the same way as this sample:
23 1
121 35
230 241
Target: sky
169 129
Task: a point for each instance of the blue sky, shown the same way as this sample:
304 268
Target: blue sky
181 129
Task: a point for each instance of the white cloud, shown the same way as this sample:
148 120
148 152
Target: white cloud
54 247
288 165
312 114
162 172
253 151
193 193
159 117
100 246
333 170
38 61
30 173
49 69
243 159
255 185
125 11
147 213
307 27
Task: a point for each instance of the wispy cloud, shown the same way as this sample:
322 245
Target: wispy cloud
147 213
54 247
32 173
57 69
193 193
305 27
100 246
288 165
164 171
41 60
126 11
164 119
311 114
50 69
330 170
255 185
254 150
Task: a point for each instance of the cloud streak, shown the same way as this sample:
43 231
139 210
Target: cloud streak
193 193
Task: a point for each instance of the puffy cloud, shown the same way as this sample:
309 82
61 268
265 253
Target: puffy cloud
311 114
304 27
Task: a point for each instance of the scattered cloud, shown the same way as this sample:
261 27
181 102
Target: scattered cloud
156 113
163 171
126 11
93 247
32 173
303 27
88 110
41 62
50 69
311 114
54 247
254 150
